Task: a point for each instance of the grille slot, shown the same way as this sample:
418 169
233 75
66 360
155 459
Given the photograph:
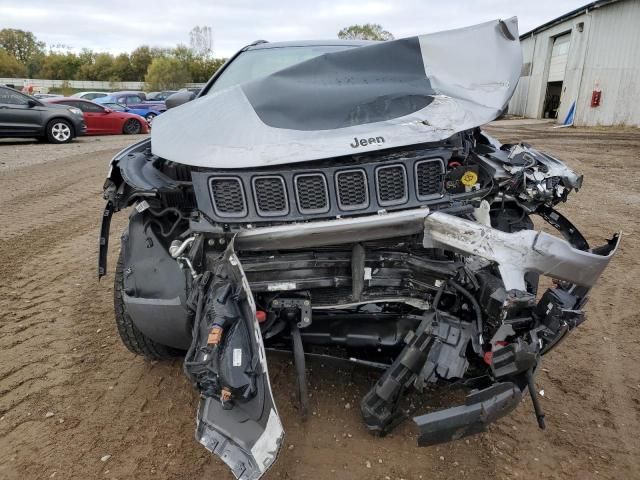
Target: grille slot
270 196
391 182
311 192
228 197
353 193
429 178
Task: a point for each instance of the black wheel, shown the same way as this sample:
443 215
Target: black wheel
131 127
149 117
136 341
59 131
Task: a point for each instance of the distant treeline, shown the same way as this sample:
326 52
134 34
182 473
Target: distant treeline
22 55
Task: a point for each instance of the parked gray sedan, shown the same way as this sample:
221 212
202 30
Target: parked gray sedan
25 116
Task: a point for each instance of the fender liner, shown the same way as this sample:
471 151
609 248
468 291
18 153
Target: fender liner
155 288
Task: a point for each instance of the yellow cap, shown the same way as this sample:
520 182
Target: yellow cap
469 178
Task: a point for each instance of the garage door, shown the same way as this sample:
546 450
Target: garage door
559 56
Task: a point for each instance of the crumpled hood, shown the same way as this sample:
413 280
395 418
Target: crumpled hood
392 94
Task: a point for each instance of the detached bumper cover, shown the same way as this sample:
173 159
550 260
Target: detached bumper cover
237 417
480 409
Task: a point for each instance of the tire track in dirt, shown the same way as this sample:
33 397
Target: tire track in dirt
34 258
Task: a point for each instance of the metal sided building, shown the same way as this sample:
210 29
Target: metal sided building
590 56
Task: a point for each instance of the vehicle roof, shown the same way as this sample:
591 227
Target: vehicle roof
127 92
73 99
91 91
310 43
39 100
11 88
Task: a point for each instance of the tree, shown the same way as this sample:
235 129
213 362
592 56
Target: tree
103 67
20 44
202 68
179 65
122 69
10 66
368 31
167 73
140 58
34 65
60 66
201 41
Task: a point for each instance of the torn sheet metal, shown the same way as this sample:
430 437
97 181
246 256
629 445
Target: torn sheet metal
515 253
519 252
391 94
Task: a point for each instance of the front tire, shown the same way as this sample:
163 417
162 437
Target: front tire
135 341
131 127
59 131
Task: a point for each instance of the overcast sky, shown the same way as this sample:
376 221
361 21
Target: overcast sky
122 25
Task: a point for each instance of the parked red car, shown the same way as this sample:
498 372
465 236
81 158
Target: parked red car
104 121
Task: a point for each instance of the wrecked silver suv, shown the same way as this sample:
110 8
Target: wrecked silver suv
336 198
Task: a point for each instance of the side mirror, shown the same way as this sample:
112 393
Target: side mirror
31 103
179 98
108 110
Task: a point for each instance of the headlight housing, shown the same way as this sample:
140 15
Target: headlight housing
75 111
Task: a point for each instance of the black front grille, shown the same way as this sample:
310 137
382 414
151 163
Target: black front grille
228 197
392 185
270 195
311 190
429 178
352 188
327 189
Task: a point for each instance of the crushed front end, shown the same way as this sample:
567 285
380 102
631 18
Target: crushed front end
417 259
441 288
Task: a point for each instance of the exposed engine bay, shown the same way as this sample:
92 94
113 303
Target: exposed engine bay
419 260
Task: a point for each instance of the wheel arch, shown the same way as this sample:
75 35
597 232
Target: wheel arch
60 117
126 120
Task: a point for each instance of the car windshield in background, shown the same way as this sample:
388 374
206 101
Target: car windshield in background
256 63
115 106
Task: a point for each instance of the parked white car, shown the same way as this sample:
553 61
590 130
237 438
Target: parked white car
90 95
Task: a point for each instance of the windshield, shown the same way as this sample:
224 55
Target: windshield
264 61
115 106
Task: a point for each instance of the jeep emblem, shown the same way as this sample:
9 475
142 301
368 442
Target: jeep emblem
363 142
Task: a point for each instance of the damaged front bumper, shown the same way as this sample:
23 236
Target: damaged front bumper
515 253
224 419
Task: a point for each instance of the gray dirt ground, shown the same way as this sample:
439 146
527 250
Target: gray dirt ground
60 354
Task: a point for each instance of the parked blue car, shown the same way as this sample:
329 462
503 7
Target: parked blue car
133 99
149 113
